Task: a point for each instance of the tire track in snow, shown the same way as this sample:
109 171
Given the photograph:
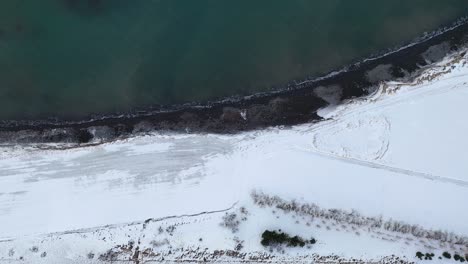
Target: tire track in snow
379 166
115 226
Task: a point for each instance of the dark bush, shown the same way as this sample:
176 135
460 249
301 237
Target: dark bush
447 255
273 237
296 241
313 241
419 255
458 258
84 136
270 238
428 256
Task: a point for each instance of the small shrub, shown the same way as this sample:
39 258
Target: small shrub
458 258
110 255
159 243
429 256
239 247
447 255
170 229
230 221
296 241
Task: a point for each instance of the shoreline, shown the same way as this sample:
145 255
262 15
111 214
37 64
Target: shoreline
296 103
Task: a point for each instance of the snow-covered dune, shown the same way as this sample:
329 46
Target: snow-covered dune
399 154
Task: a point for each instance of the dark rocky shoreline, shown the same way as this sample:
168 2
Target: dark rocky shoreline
295 104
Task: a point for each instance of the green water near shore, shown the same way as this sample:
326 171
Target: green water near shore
75 57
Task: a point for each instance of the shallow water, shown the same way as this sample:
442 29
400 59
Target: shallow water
75 57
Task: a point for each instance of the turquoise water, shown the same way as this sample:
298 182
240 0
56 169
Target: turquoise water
75 57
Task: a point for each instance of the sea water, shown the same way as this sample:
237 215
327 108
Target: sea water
71 58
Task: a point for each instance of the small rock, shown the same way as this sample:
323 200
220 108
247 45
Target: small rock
231 115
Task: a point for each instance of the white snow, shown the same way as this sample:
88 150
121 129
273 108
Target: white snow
400 153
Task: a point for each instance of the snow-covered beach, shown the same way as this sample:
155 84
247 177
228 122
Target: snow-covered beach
400 154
